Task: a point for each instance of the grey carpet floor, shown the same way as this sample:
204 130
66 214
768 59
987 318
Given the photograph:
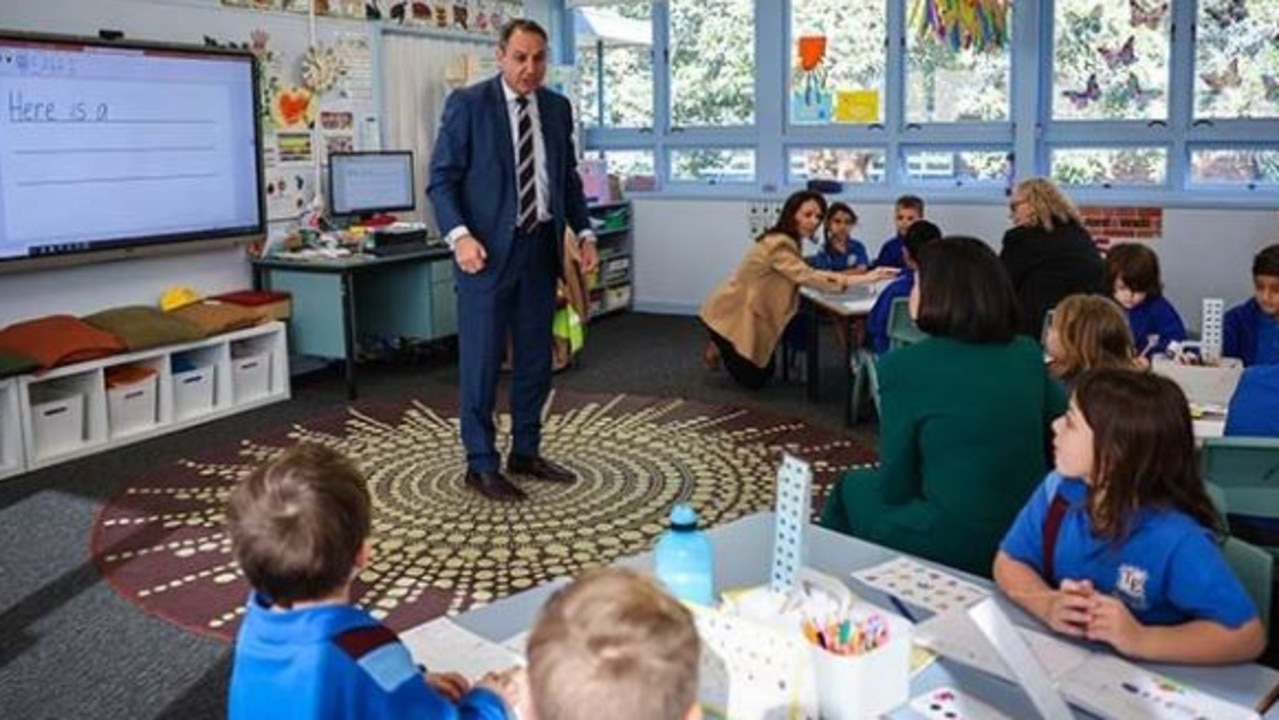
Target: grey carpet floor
70 647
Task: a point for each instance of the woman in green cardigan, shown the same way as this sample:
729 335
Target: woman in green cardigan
964 419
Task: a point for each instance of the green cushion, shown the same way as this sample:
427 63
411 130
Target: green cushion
142 327
12 364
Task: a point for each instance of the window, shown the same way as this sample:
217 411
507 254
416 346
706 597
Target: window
615 65
634 167
848 165
897 96
712 63
1237 59
959 167
838 61
952 76
1111 60
1248 167
1110 166
714 166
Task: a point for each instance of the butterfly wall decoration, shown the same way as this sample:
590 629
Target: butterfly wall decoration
1224 79
1271 85
1147 13
1122 56
1228 12
1138 95
1081 98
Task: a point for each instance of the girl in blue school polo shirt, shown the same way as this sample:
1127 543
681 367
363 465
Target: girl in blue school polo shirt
840 252
1118 544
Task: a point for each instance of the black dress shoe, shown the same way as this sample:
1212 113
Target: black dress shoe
540 468
494 485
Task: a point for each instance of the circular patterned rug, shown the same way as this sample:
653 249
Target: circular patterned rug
440 548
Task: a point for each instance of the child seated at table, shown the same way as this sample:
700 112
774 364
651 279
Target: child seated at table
614 645
1132 276
907 210
1118 544
917 237
1087 332
299 527
1252 328
840 252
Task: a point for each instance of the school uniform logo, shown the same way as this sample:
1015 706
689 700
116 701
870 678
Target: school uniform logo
1132 585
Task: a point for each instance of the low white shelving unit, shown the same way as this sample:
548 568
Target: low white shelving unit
70 411
12 461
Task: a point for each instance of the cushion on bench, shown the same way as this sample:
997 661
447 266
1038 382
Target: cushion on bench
142 327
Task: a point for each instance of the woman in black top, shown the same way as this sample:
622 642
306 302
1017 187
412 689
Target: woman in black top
1048 253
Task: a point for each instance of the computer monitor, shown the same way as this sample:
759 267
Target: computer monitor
367 183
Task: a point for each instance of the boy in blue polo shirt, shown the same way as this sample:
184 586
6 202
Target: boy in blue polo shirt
299 527
908 210
1252 329
920 234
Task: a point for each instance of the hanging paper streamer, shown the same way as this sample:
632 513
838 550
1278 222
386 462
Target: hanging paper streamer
981 25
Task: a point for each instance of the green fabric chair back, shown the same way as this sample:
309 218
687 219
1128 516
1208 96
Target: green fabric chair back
1241 462
1255 569
1246 470
1252 565
901 328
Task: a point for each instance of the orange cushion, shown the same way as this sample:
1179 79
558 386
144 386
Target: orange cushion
58 340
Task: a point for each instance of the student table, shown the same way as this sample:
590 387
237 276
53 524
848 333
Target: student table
847 308
743 554
336 300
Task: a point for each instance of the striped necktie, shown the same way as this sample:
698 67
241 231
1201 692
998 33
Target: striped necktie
526 174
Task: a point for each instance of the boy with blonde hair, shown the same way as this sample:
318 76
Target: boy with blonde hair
614 645
299 527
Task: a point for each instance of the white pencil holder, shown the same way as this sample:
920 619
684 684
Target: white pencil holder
853 687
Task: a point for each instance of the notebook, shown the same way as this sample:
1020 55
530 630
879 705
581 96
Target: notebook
443 645
1098 682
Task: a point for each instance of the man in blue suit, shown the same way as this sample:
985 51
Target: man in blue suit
504 184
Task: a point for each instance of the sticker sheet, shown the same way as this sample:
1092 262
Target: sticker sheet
921 586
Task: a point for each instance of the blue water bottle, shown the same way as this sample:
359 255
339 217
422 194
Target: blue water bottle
685 559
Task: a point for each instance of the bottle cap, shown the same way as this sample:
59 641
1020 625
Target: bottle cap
683 517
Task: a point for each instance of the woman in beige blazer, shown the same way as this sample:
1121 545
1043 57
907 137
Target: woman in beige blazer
747 314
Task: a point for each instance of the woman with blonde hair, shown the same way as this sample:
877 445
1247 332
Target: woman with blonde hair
1048 253
1088 332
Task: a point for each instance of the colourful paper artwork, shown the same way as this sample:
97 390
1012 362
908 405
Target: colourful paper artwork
293 108
857 106
810 101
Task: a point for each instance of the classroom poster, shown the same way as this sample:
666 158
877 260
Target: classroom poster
288 190
337 133
356 84
294 147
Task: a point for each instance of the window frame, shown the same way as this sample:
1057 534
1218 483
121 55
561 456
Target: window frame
1030 132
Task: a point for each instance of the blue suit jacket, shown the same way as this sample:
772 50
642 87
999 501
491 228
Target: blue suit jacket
473 173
